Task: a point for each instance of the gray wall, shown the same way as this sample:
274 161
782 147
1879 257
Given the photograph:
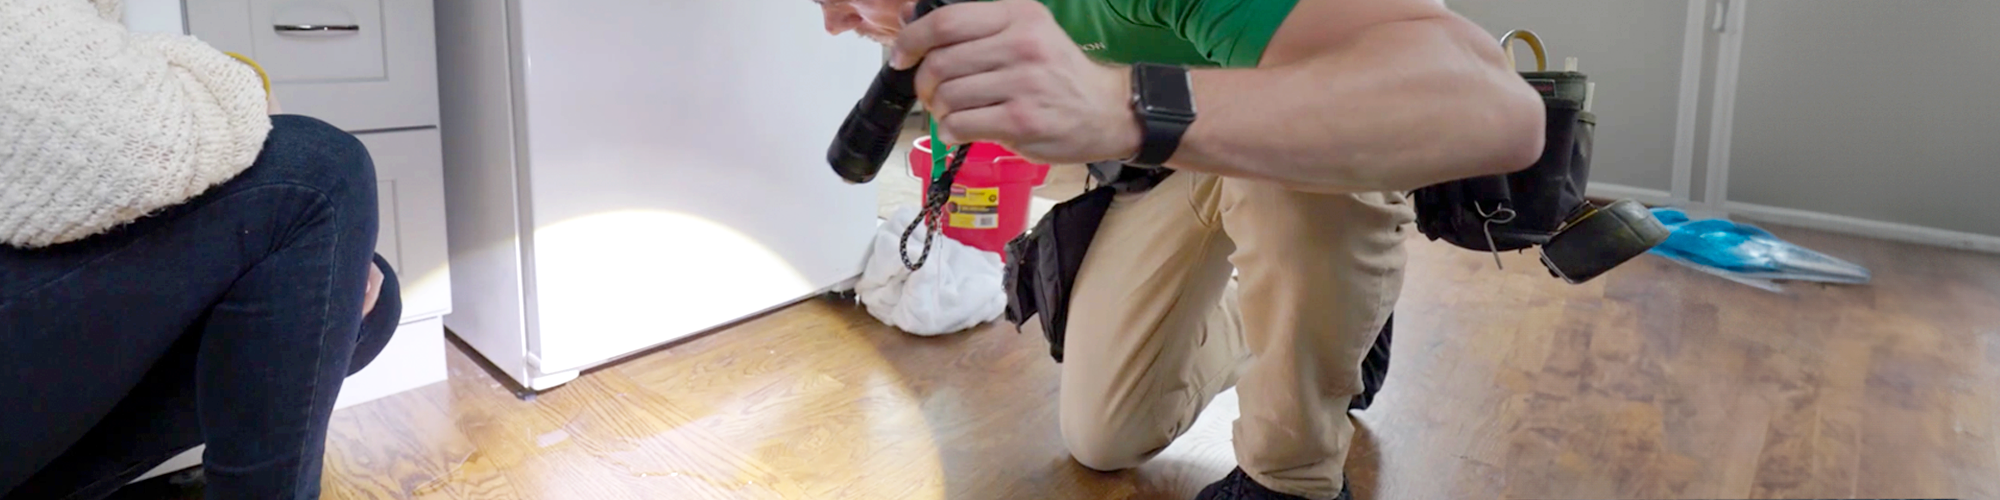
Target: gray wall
1632 49
1880 110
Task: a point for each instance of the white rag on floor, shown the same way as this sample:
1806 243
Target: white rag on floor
956 289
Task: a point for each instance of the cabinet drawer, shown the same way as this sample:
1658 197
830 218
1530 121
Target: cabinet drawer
409 170
320 41
358 64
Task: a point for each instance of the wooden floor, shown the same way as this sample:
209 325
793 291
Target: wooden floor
1654 382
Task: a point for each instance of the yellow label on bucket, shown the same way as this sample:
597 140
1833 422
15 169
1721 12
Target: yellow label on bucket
975 197
974 208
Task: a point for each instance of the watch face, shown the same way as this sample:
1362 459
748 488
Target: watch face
1177 112
1168 93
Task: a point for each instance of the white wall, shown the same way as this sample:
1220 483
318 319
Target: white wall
155 16
1632 50
1774 111
1896 125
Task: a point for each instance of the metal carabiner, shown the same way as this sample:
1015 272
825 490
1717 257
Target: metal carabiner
1534 44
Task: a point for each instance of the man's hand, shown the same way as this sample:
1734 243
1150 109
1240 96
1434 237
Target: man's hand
1005 72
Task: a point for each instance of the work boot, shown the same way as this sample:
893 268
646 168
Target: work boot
1238 486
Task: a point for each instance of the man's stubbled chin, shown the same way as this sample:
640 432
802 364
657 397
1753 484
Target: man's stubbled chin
880 35
882 22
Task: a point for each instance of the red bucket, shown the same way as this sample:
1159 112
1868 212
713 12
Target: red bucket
989 198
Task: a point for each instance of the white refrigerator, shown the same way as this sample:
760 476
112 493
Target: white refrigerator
621 175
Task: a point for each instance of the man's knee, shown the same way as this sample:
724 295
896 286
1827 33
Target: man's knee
1104 453
1108 446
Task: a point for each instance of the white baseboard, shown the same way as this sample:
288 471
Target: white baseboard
1867 228
1856 226
846 285
1639 194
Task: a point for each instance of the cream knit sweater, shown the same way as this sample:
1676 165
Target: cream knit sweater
100 126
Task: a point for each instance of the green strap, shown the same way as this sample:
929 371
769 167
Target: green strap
938 151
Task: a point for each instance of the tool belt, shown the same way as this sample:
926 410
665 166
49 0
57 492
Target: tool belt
1515 211
1544 205
1541 206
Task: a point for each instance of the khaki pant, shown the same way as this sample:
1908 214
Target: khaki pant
1158 326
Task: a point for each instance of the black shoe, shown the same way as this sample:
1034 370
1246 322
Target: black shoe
1238 486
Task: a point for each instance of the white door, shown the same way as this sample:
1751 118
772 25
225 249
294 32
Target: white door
677 178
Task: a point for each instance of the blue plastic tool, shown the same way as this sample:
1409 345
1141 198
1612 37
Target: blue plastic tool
1748 254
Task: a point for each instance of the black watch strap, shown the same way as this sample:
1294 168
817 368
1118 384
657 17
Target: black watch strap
1163 103
1160 138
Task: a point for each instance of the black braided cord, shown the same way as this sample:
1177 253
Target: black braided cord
933 212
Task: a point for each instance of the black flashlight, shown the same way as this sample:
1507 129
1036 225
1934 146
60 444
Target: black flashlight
872 127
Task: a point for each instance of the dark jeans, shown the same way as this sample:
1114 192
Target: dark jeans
230 320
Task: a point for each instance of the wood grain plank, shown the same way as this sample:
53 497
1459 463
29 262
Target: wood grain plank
408 447
1655 381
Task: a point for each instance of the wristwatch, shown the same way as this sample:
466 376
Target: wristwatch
1163 100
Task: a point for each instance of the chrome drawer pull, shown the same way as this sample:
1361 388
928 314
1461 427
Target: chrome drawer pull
317 27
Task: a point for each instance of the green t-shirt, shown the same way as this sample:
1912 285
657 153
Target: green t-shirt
1225 33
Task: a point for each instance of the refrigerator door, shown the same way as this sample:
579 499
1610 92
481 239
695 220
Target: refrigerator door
676 168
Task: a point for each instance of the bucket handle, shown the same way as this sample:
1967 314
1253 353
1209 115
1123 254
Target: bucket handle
1534 43
922 144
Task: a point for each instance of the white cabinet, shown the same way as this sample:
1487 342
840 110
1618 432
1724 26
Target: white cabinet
321 41
368 67
410 184
371 71
362 65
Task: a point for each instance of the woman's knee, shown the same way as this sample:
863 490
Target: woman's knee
308 152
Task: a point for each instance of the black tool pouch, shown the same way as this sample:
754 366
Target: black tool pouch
1042 263
1544 205
1524 208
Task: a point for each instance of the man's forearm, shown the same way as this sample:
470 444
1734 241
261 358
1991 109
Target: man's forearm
1398 106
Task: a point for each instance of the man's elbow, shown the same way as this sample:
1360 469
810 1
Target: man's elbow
1521 145
1515 135
1509 112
